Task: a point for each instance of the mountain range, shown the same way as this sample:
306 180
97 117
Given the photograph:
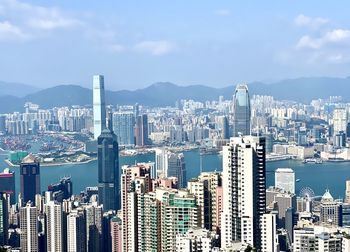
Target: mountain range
12 97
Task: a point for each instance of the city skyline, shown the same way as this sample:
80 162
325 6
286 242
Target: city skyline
293 41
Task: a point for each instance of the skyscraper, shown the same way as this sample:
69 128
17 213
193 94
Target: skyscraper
76 232
108 170
285 179
340 120
347 192
30 178
7 184
94 215
54 225
99 105
4 217
29 228
123 127
243 190
141 130
241 110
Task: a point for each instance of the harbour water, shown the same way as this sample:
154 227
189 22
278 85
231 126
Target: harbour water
316 176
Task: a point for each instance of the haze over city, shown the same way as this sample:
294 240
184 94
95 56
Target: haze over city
48 43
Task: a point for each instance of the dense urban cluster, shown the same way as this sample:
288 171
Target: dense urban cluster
154 206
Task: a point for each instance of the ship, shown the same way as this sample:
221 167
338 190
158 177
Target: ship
312 161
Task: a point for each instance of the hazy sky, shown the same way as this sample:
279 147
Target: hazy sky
136 43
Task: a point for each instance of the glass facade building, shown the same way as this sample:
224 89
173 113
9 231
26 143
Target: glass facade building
241 110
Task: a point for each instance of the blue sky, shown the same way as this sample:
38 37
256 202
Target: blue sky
137 43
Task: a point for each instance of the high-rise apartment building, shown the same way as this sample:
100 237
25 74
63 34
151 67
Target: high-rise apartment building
205 188
347 192
76 231
269 238
99 105
285 179
241 111
30 178
29 228
93 217
135 183
116 234
108 170
123 127
54 227
7 184
243 190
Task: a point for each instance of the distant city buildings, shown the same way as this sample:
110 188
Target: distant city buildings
7 184
123 127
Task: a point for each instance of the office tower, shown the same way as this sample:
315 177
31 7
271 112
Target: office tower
141 130
93 216
285 179
331 210
30 178
241 111
108 170
286 207
29 228
135 182
243 190
195 240
169 164
53 227
224 127
177 168
116 234
106 230
61 190
4 218
123 127
136 110
76 232
269 238
99 105
340 120
2 124
204 188
7 184
347 192
345 215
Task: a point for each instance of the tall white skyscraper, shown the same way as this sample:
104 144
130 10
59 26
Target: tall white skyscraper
99 105
29 228
285 179
54 221
269 238
243 183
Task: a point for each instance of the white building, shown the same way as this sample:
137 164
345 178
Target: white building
243 190
29 228
285 179
340 120
54 235
269 238
195 240
99 105
76 231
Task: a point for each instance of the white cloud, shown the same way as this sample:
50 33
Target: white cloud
156 48
117 48
35 20
310 22
337 36
223 12
11 31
